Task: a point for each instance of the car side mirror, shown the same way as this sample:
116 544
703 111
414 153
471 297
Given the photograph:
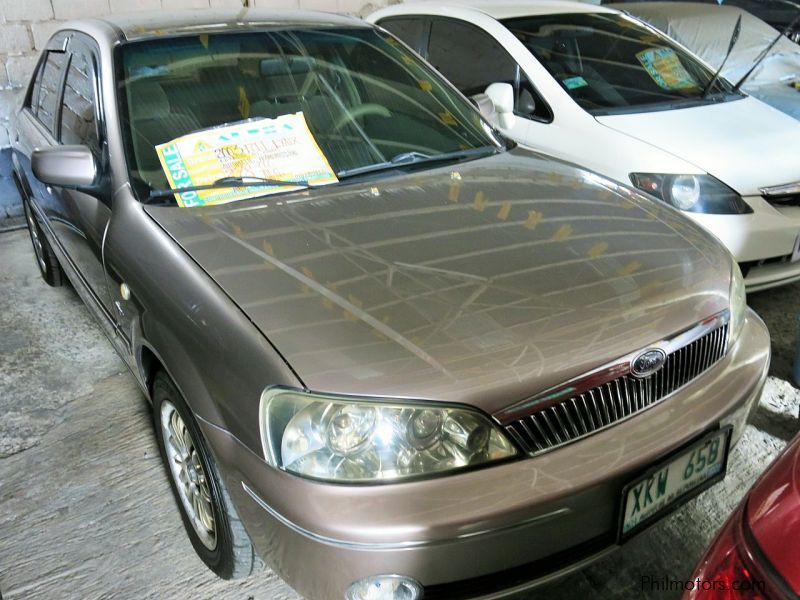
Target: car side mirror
65 166
502 97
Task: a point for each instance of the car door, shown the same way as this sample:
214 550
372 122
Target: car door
62 107
36 124
82 219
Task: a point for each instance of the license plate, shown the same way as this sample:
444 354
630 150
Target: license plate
675 481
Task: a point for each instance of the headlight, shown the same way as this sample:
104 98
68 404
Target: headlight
361 439
692 193
738 302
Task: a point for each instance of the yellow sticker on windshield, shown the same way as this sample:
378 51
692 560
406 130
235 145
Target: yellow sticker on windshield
244 103
447 118
666 69
282 148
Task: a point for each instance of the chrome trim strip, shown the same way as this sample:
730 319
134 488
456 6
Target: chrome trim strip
786 189
609 372
393 545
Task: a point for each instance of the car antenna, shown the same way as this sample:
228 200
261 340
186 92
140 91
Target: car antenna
734 38
766 50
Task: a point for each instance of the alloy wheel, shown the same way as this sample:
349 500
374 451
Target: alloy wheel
189 475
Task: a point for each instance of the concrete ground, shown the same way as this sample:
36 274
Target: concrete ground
85 507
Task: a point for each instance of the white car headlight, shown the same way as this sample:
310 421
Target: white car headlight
738 301
364 439
684 191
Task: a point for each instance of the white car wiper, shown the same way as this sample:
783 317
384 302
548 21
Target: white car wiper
765 52
228 182
734 38
413 158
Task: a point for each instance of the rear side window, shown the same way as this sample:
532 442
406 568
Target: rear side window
78 124
472 60
469 57
49 91
411 31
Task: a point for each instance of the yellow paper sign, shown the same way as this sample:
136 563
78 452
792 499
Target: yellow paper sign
665 68
282 148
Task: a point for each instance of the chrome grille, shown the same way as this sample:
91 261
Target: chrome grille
603 405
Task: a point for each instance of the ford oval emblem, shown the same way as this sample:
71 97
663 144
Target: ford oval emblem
648 362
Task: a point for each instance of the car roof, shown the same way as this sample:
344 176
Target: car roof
136 26
679 9
503 9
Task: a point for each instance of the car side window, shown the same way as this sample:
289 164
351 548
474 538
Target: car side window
411 31
472 60
78 124
50 89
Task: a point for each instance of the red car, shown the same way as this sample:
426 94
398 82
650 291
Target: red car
756 555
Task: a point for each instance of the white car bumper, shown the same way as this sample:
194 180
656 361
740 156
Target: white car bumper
764 242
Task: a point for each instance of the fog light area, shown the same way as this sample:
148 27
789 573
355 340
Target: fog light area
384 587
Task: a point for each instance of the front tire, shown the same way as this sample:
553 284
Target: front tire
210 519
46 259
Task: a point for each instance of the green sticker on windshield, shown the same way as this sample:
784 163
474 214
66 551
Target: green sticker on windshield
574 83
666 69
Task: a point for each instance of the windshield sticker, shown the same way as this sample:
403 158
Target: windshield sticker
573 83
282 148
244 103
447 118
666 69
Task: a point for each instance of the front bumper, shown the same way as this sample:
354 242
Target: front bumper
763 241
487 532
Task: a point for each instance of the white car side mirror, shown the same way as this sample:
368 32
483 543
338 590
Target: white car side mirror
502 97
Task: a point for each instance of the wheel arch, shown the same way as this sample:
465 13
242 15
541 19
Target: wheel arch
149 363
178 367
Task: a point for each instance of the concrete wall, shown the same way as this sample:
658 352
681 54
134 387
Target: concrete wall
26 25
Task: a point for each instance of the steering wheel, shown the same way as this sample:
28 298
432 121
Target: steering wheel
361 110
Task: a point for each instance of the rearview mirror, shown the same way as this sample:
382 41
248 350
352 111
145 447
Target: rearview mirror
65 166
502 97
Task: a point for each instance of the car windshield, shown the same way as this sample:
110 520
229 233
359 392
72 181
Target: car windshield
611 63
360 99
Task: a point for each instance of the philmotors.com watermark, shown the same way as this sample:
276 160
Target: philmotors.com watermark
671 584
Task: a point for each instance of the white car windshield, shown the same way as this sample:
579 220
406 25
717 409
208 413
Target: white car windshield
610 63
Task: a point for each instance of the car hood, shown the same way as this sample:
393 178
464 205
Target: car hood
483 282
743 143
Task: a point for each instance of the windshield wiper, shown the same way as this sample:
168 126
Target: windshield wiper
734 38
763 54
414 158
228 182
